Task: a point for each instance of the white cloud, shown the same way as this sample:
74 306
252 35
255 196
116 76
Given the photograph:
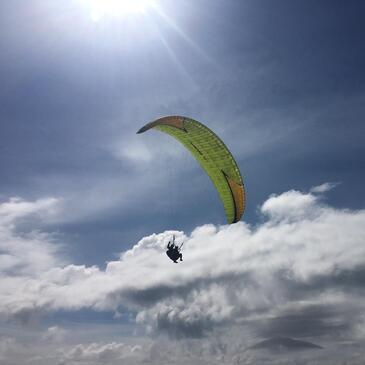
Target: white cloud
17 208
290 205
26 252
305 261
323 187
313 242
102 353
55 334
135 151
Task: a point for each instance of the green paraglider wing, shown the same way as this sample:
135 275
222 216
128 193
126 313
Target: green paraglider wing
213 156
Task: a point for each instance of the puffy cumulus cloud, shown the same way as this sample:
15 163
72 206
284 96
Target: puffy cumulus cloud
290 205
300 274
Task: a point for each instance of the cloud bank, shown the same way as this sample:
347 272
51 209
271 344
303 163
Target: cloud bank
298 274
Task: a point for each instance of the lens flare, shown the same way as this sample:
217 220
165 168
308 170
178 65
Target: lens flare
117 8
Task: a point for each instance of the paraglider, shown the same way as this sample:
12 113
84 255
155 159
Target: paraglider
213 156
174 251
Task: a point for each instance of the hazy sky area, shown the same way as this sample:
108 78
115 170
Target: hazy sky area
87 206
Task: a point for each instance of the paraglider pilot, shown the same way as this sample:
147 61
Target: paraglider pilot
173 251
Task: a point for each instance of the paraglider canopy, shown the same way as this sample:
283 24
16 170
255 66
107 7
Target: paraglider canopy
213 156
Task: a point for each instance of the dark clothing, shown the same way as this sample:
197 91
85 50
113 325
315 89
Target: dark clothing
173 252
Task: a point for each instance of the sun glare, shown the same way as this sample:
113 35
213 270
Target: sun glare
117 8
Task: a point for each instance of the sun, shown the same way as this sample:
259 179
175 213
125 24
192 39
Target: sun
117 8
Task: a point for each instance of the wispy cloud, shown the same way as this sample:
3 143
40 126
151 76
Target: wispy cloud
324 187
25 251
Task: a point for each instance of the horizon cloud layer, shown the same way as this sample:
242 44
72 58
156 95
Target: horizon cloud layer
299 273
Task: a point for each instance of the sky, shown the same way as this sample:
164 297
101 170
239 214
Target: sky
87 206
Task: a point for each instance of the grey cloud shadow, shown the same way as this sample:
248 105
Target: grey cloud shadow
280 344
311 321
298 321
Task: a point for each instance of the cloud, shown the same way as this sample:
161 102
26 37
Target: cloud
55 334
96 353
298 274
291 204
17 208
23 250
284 343
203 352
323 187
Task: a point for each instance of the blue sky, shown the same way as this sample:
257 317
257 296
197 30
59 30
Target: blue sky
84 199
